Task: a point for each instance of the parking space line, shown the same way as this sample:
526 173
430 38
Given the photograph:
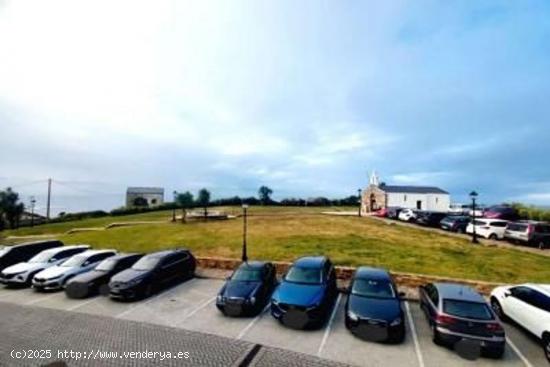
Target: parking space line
520 355
327 330
78 305
415 336
32 302
253 322
197 309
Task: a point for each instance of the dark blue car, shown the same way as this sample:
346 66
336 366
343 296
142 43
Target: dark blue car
248 290
305 297
373 308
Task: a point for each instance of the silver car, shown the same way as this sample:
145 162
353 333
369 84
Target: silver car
56 277
21 274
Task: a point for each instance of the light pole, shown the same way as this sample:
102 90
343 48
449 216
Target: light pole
244 257
175 193
360 202
33 201
473 195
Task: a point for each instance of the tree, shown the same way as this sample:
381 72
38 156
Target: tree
184 200
264 193
10 208
141 202
203 199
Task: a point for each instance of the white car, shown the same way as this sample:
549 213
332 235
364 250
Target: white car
489 228
529 306
407 215
57 276
458 209
22 273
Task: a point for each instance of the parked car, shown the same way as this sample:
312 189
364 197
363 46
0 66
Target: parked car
501 212
430 219
529 306
96 280
530 233
373 308
11 255
479 212
55 277
457 313
489 228
393 212
151 273
248 290
407 215
455 223
21 274
458 209
306 296
382 213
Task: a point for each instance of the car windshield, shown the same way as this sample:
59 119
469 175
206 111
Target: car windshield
470 310
106 265
4 250
42 257
372 288
303 275
146 263
76 260
247 275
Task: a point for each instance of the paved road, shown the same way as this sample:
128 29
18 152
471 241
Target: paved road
189 307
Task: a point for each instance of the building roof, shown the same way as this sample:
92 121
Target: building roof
458 292
145 190
412 189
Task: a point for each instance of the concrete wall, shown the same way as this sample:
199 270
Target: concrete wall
152 199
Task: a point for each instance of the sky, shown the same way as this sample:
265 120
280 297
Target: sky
305 97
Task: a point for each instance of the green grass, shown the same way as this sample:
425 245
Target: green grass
285 233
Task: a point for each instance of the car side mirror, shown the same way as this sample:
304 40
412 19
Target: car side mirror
507 294
401 294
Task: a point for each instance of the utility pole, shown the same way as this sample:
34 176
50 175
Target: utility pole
49 199
360 202
33 201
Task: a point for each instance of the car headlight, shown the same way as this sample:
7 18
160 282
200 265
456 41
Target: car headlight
274 301
352 316
252 300
396 322
220 298
55 277
133 282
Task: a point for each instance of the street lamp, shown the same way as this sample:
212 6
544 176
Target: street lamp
175 193
360 201
473 196
244 256
33 201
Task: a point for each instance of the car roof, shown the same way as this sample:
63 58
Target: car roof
64 248
35 243
253 264
372 273
459 292
311 261
95 252
164 253
543 288
122 256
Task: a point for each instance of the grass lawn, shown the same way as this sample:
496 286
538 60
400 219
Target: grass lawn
277 233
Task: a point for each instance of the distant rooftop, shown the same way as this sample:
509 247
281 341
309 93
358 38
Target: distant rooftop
412 189
145 190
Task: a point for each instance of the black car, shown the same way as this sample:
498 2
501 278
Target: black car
430 219
151 273
92 282
11 255
393 212
458 314
248 290
455 223
373 308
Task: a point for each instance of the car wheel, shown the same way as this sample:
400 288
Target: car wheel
541 245
495 305
495 353
436 338
493 236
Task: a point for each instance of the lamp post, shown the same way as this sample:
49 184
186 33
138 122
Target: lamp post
473 195
244 256
175 193
33 201
360 202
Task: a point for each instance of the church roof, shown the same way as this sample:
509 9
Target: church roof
412 189
145 190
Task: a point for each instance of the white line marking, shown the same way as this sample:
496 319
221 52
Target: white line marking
78 305
253 322
32 302
327 330
415 337
197 309
520 355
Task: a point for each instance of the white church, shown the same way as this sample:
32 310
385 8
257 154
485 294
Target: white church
378 195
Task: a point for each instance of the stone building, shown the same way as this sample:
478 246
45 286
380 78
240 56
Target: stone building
144 196
379 195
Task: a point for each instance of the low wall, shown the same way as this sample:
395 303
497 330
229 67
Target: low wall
344 273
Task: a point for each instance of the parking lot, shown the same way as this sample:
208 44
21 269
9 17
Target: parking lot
191 306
